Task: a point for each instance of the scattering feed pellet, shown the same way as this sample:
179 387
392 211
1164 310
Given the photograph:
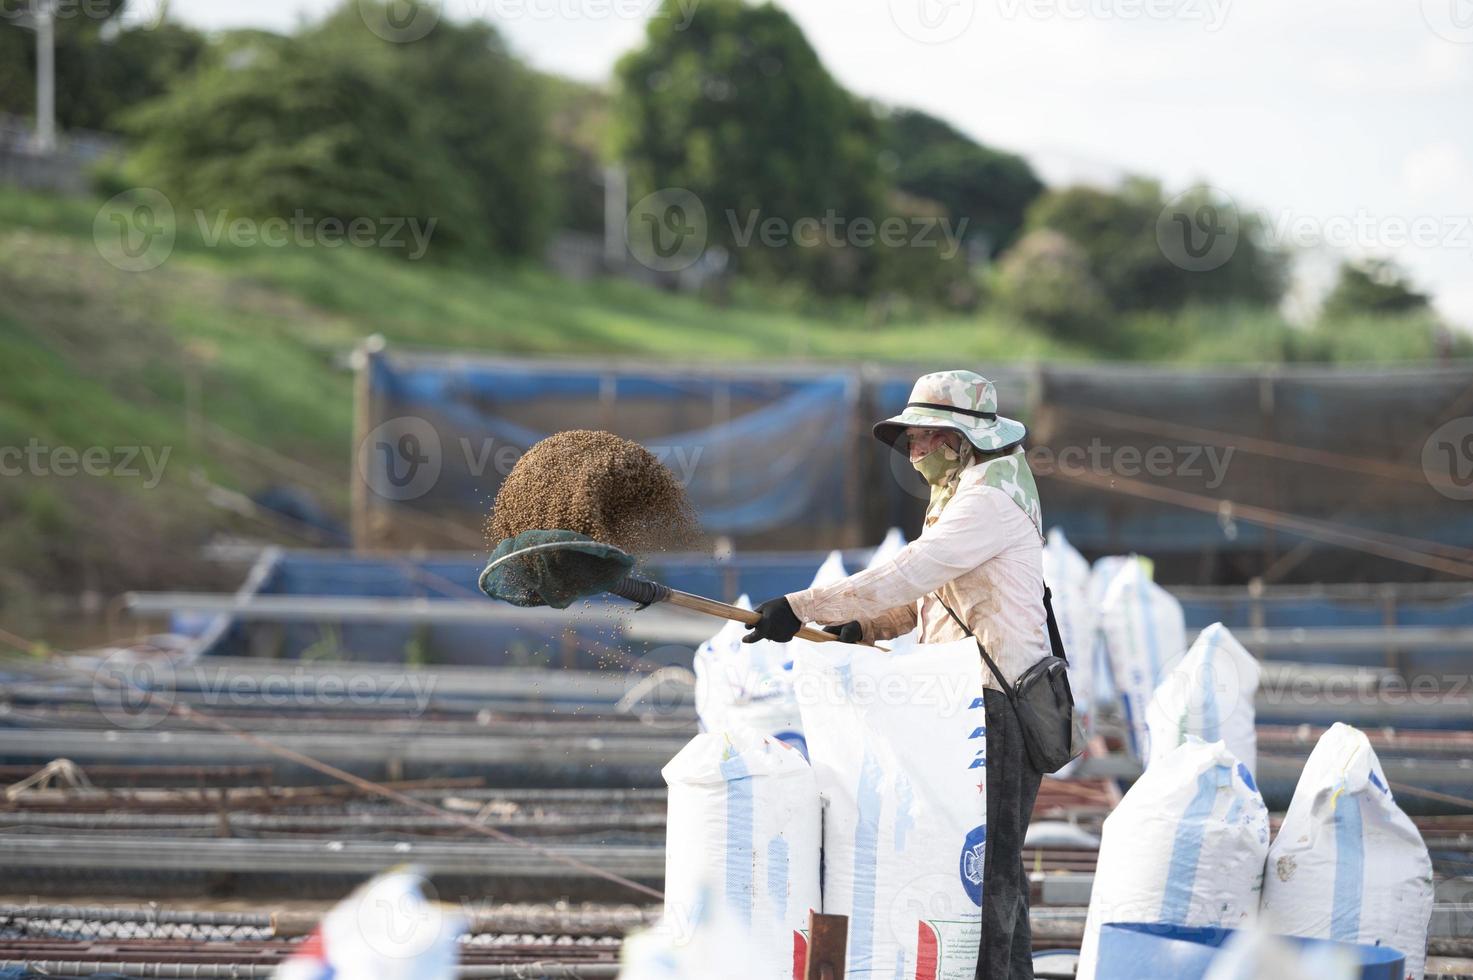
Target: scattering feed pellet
595 483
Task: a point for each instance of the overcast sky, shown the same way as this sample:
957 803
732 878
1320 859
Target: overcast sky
1347 120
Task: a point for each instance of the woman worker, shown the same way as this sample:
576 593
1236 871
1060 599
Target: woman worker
979 559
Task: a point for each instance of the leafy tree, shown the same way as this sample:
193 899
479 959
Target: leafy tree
929 264
578 127
338 123
1375 286
1254 273
730 102
483 107
1115 231
991 190
102 70
1046 279
273 126
1120 232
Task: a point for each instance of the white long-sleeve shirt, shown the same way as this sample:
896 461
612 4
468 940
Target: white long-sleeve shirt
985 557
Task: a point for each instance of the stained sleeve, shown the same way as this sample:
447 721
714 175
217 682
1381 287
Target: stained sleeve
890 623
970 530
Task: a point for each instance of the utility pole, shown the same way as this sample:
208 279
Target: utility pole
616 215
46 76
42 20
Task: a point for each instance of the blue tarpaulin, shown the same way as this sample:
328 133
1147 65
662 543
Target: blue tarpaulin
759 456
781 457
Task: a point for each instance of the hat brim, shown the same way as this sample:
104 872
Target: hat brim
988 435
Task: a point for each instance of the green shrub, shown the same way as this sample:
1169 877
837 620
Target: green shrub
1046 279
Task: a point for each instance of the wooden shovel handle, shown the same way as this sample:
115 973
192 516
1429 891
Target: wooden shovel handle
711 607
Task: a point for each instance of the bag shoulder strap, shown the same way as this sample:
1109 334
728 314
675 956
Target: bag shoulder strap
1055 641
991 664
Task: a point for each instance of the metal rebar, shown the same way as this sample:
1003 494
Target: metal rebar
478 858
329 823
260 920
90 968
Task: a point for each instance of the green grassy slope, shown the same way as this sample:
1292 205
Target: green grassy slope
94 356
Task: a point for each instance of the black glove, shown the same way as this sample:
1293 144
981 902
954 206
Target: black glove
850 632
778 623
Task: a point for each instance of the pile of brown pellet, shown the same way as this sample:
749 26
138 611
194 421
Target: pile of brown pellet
597 484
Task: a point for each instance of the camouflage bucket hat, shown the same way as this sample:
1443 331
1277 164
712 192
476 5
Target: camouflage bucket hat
963 401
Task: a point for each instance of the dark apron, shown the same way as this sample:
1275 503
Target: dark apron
1006 951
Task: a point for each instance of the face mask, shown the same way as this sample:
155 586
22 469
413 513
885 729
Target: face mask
936 464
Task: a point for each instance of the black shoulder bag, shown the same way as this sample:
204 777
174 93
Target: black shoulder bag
1041 698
